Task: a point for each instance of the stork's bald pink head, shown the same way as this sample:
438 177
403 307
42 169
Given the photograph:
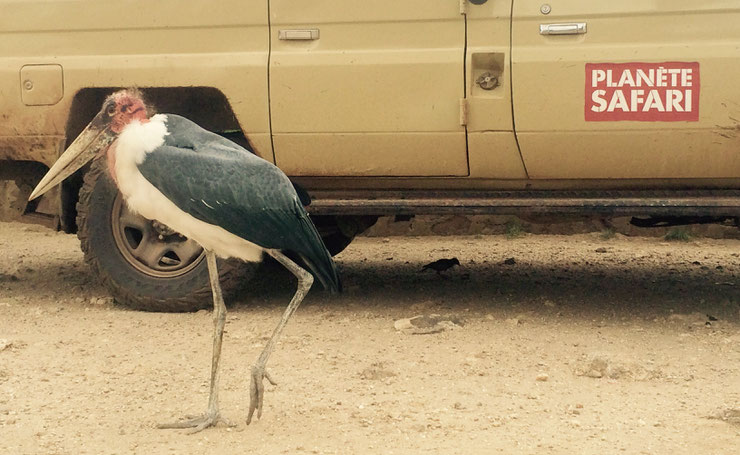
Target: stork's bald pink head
123 107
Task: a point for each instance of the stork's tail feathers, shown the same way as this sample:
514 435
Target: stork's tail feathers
318 259
327 277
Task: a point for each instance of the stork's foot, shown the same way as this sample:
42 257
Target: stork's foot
257 391
198 423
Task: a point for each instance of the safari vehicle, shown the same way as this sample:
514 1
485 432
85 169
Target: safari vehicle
382 108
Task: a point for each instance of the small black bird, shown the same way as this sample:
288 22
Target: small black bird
440 265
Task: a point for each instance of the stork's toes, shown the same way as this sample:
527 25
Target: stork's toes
257 391
198 423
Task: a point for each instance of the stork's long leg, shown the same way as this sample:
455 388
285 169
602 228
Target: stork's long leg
212 415
256 388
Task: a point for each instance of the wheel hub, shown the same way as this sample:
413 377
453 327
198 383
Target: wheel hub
163 230
152 247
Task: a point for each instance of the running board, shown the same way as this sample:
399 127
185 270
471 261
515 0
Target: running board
606 203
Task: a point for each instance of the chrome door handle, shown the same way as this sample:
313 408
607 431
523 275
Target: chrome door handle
302 34
578 28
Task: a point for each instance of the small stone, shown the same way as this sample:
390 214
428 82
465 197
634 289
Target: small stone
729 415
427 324
5 344
510 261
513 321
600 250
378 371
599 366
594 374
403 324
542 377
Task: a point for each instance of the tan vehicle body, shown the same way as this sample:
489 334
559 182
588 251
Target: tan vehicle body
386 94
381 107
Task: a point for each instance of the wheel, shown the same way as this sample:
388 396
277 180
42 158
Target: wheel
144 264
339 231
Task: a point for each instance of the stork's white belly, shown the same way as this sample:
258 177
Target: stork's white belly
134 142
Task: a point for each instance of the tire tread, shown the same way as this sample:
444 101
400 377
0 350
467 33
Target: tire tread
232 273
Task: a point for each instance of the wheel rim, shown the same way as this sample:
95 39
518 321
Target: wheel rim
151 247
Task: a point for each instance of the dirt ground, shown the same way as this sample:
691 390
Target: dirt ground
547 344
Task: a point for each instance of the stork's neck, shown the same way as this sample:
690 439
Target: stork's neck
136 140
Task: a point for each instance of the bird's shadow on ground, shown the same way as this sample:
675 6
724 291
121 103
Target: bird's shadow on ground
581 290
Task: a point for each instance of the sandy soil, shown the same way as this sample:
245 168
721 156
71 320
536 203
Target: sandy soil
577 345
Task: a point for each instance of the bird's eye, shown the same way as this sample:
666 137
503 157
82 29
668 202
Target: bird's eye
111 109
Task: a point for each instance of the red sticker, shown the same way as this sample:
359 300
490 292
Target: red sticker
643 92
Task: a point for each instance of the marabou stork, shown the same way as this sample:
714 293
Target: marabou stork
233 203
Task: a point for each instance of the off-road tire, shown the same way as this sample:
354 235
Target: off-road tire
190 291
339 231
337 242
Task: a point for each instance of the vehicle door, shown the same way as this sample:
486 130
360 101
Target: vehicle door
492 148
362 88
627 90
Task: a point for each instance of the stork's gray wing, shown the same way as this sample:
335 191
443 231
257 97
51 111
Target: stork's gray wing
184 133
220 183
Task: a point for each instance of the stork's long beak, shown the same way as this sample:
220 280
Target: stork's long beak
96 136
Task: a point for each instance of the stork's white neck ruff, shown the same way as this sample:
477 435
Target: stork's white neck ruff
143 137
131 148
